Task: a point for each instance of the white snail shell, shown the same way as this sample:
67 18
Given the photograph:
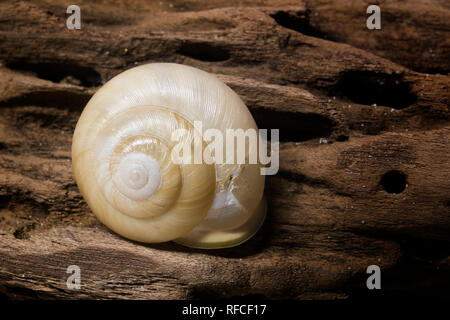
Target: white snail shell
121 160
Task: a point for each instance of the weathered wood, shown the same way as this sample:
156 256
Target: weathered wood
351 104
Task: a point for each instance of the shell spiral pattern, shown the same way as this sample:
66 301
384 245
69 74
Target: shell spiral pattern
121 158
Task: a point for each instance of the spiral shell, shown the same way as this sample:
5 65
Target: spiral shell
121 157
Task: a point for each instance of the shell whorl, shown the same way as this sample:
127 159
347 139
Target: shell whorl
121 155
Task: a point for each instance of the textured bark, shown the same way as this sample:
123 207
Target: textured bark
351 103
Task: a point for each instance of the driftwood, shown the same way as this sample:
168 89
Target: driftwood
364 159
